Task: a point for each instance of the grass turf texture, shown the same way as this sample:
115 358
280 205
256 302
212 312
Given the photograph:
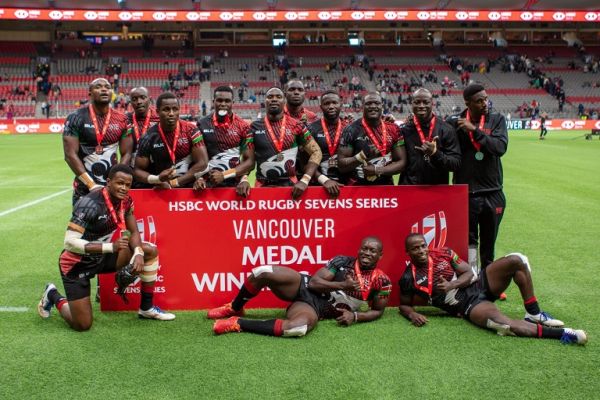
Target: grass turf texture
552 215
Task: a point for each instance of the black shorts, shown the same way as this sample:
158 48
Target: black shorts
76 270
475 294
318 302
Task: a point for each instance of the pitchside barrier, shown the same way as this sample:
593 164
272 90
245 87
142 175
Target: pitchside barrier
55 125
210 241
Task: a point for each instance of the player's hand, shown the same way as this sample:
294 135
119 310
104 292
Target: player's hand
466 125
346 318
369 170
298 189
199 184
350 284
243 189
443 285
418 319
216 177
138 263
332 187
389 118
428 148
162 185
167 174
121 243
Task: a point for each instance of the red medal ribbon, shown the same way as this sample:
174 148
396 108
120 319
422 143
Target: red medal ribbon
364 290
380 146
476 144
136 128
170 149
278 143
336 139
111 209
287 111
99 135
429 288
218 124
420 131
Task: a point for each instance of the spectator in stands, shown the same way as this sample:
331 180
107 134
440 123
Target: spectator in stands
580 110
10 112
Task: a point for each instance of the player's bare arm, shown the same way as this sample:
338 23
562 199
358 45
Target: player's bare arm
322 282
407 310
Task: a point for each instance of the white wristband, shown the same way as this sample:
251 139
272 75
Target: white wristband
107 248
230 173
322 179
361 158
355 316
306 179
244 178
153 179
138 251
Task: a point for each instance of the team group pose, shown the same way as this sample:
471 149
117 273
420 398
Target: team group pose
110 152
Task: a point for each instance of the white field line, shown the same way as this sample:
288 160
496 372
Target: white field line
13 309
33 203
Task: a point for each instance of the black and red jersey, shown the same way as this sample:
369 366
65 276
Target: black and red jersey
277 165
224 141
152 147
355 137
139 123
305 116
329 144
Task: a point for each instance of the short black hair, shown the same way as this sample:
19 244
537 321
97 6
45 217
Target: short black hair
124 168
409 237
165 96
372 94
472 89
222 89
330 91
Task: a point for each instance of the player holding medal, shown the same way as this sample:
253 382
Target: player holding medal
91 138
483 141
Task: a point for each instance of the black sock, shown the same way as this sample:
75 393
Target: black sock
246 293
54 296
257 326
552 333
146 302
532 306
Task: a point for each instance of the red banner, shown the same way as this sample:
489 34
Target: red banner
300 15
209 242
53 125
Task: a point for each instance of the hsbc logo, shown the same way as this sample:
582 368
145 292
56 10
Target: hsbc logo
358 15
423 15
91 15
192 16
20 128
434 228
21 14
536 124
591 16
325 15
462 15
568 124
291 16
55 14
390 15
494 15
259 16
226 16
55 128
559 16
125 16
159 16
526 16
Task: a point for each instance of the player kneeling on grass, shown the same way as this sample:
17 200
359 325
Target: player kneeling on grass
348 289
443 280
88 252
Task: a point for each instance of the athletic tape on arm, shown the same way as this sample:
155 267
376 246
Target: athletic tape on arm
74 242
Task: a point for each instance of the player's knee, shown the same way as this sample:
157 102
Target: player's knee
262 269
520 260
150 250
81 326
149 272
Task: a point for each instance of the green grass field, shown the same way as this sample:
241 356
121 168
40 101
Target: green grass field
552 187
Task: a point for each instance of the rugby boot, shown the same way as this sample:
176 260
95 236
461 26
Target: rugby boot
228 325
573 336
45 305
224 311
545 319
156 313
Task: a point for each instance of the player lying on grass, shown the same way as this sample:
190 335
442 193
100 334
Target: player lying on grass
88 251
441 279
348 289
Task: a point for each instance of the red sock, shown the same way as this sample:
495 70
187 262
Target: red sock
278 328
61 303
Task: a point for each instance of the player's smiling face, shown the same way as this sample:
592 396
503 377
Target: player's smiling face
417 250
119 185
421 105
100 91
169 113
369 253
373 107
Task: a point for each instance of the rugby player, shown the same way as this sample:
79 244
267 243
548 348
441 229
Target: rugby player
141 118
372 149
483 141
349 289
294 107
277 138
88 251
432 149
226 137
172 153
91 137
327 132
438 277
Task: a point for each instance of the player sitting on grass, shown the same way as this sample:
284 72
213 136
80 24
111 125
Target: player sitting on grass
443 280
88 251
348 289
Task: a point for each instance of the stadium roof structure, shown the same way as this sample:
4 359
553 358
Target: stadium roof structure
308 4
